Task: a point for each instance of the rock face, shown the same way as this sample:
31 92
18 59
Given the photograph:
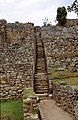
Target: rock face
18 54
41 83
67 97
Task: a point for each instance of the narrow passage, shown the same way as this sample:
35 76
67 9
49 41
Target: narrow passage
50 111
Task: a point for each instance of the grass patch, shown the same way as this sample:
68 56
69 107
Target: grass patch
64 76
33 110
28 92
12 109
68 81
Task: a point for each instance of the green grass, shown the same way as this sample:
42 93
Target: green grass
28 92
13 109
64 76
68 81
33 110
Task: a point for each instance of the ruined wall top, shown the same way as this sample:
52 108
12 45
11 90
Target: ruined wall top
16 24
3 21
70 22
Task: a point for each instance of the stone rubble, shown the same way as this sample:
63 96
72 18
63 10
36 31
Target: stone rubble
67 98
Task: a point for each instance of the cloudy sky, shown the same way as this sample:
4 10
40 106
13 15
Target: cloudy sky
32 10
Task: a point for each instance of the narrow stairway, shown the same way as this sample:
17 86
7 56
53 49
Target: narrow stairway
41 83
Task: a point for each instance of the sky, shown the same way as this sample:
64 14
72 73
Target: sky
32 10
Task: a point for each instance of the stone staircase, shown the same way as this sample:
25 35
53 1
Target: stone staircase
41 83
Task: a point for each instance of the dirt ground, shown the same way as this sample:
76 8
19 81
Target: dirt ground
50 111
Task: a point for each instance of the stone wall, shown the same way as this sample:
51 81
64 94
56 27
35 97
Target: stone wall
16 57
71 22
61 46
67 97
18 53
30 107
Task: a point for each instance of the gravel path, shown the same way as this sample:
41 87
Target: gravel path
50 111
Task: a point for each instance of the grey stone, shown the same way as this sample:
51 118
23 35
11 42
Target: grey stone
76 110
72 69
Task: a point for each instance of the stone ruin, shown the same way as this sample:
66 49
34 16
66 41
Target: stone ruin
18 54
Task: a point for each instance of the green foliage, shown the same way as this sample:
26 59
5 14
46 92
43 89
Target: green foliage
12 109
61 15
46 22
73 7
28 92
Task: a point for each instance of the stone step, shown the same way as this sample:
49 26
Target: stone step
39 71
41 63
38 74
40 51
42 86
39 44
43 66
40 47
41 91
39 40
41 59
41 74
43 96
37 81
40 55
41 77
42 69
41 82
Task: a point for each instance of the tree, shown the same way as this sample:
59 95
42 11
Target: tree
73 7
61 15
